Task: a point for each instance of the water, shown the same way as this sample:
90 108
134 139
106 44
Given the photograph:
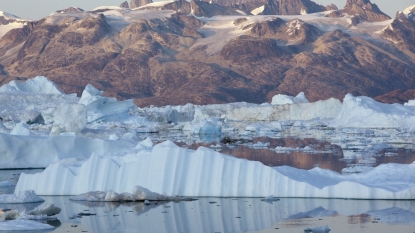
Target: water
235 215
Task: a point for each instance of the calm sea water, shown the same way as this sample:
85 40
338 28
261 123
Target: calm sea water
227 215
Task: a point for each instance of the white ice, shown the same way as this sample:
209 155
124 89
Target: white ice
172 170
20 197
24 225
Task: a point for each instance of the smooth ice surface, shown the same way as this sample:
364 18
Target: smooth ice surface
20 197
172 170
24 225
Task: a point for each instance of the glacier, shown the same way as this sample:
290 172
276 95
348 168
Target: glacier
173 170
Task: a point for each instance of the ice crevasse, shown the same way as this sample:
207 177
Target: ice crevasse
171 170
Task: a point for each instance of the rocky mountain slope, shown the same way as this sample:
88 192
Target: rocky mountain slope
158 54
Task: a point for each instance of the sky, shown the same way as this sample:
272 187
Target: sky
37 9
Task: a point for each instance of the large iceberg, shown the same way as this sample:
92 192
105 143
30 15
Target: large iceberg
172 170
364 112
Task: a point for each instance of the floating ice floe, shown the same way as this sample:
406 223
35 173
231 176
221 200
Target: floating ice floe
24 225
138 194
6 184
172 170
28 196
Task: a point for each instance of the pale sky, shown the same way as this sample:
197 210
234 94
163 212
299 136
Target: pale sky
37 9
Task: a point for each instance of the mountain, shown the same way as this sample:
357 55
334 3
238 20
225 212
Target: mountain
275 7
361 10
138 3
158 54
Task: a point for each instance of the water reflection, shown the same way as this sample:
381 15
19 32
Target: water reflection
232 214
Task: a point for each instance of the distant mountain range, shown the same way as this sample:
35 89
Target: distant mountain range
217 51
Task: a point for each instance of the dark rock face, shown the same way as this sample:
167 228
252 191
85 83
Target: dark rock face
271 8
274 7
396 96
138 3
4 21
365 10
401 32
70 10
411 14
200 8
124 5
180 6
297 7
293 32
246 49
331 7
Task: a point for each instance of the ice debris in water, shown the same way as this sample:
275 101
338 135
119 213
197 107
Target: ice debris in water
138 194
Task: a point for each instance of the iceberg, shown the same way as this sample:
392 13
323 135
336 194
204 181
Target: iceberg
364 112
173 170
104 109
300 111
285 99
24 225
37 85
20 197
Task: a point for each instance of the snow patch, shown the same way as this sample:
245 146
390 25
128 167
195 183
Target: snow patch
258 10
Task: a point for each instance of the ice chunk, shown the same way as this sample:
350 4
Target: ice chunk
48 210
285 99
100 108
299 111
6 184
70 117
147 144
113 137
21 129
37 85
28 196
24 225
139 194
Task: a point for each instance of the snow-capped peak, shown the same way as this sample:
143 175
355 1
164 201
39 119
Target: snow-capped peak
8 15
408 10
